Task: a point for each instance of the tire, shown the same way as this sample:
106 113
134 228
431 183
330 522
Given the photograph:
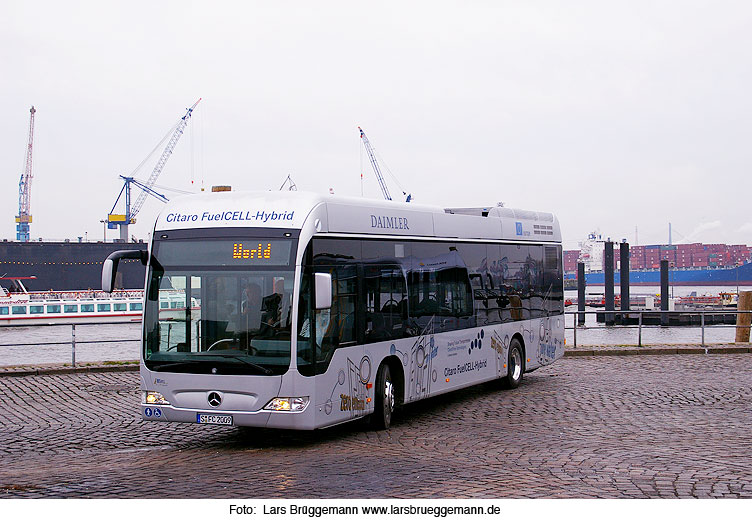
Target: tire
515 366
383 407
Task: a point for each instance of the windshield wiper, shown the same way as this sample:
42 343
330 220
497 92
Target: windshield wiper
241 359
178 364
265 370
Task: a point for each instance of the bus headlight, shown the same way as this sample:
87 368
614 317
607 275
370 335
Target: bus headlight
153 398
297 404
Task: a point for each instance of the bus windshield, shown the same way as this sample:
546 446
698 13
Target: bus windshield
213 307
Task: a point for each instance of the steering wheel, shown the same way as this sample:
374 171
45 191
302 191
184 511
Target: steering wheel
391 303
230 340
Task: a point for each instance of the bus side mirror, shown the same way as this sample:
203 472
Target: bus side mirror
109 268
323 291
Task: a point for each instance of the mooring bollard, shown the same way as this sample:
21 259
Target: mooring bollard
743 319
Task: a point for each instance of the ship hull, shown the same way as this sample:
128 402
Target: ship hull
68 265
67 319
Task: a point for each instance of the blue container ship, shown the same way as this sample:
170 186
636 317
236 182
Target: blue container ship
694 264
730 276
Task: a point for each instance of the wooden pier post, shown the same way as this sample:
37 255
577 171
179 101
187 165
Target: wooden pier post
743 320
664 292
608 279
581 293
624 279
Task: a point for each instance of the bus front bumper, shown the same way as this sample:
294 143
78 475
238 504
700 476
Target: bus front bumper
263 418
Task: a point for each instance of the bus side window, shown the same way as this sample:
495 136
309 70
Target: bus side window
475 258
440 290
385 302
553 285
514 277
345 284
537 295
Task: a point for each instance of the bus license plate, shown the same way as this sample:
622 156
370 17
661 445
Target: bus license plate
217 419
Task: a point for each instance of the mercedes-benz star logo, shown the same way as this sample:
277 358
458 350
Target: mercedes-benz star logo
214 399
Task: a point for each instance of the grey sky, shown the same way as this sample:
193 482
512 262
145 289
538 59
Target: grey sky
610 114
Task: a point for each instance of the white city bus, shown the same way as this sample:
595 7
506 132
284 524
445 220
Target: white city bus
303 311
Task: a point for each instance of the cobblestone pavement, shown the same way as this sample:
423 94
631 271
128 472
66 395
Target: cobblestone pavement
633 426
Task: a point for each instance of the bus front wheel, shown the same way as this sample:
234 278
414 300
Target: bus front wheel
515 366
383 407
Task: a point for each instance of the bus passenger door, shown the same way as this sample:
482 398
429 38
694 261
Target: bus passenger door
342 370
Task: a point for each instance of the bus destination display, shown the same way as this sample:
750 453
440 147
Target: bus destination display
249 252
224 252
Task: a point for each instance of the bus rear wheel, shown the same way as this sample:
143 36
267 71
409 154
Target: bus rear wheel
515 366
383 407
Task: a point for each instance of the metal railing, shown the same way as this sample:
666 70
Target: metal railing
576 326
654 313
73 341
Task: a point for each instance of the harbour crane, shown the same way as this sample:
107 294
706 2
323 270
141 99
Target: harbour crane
291 187
377 170
24 188
131 210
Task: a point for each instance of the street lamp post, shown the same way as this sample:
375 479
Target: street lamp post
671 277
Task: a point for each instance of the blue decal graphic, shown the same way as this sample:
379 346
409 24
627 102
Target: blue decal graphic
476 343
518 225
147 412
157 413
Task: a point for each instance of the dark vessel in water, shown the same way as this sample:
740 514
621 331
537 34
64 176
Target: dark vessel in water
68 265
